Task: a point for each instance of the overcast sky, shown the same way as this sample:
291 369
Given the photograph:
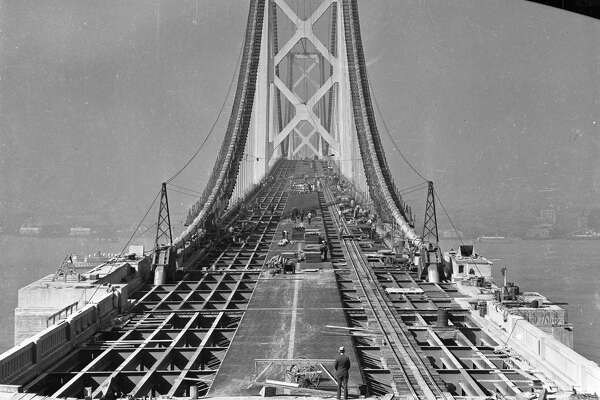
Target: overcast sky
102 100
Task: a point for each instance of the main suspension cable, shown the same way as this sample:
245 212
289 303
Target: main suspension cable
415 170
387 131
211 130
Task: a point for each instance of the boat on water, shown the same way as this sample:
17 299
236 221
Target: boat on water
587 235
494 239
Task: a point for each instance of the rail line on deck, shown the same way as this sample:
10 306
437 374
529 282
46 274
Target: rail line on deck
410 374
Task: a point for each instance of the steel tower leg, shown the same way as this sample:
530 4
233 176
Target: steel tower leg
163 240
430 228
262 123
164 236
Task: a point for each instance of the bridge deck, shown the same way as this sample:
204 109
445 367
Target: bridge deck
208 328
285 319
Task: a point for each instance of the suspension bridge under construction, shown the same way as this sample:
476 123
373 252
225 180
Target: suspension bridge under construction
300 243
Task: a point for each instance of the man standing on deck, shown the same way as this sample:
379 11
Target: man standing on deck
342 366
324 248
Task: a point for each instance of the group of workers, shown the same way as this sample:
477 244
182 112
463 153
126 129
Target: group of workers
299 215
239 235
309 184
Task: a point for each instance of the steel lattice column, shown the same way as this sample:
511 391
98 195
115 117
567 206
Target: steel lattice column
164 236
430 228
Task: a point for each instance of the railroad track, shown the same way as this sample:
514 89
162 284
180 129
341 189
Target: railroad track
409 372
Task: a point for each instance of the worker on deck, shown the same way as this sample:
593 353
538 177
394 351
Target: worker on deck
342 368
324 249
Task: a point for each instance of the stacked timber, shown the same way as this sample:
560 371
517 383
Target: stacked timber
312 236
312 253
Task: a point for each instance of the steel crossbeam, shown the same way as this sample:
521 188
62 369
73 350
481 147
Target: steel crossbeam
477 355
183 302
131 357
102 358
171 293
457 365
138 390
194 357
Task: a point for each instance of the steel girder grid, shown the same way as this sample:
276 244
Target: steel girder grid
461 357
218 254
462 354
181 341
178 333
252 253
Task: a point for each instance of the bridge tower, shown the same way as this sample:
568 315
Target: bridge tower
302 93
302 106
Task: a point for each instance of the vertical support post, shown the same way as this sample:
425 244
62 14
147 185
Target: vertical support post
430 228
430 236
163 240
164 235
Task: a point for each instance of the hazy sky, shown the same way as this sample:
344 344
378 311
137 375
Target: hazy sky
102 100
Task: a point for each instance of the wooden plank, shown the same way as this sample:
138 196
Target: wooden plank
299 390
260 375
281 383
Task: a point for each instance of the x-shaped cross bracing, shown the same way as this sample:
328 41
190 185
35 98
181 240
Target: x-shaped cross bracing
305 141
304 110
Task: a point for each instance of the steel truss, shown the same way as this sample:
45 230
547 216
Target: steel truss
300 67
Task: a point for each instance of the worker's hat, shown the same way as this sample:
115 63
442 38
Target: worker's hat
341 349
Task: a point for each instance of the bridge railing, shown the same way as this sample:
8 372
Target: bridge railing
37 353
46 342
16 360
63 313
546 352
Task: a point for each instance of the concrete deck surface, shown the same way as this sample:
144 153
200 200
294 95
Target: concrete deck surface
285 320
